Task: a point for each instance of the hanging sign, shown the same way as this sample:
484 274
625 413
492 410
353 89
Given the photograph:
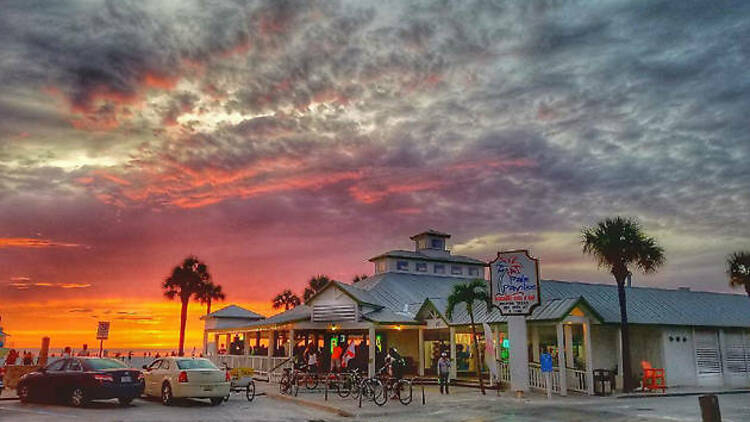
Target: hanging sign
514 282
102 333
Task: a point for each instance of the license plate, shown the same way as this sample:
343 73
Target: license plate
126 379
207 388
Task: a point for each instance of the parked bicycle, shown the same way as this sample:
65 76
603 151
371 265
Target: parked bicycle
400 388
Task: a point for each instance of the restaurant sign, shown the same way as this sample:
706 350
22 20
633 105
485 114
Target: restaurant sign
514 282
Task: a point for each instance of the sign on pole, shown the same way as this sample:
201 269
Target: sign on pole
514 282
102 333
514 287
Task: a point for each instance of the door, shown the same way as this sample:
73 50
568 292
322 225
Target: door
47 385
736 358
149 378
71 376
708 358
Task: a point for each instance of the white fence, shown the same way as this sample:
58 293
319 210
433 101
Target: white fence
576 379
260 364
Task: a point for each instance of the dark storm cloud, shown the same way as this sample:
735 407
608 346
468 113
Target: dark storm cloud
342 118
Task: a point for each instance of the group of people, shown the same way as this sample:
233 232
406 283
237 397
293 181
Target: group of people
26 358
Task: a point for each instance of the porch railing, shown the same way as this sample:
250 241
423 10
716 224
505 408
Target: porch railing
576 380
536 378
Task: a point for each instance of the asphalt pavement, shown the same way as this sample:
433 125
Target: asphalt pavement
463 405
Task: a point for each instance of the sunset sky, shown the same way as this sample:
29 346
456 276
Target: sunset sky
280 140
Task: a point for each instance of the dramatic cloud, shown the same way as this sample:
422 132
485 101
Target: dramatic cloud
281 139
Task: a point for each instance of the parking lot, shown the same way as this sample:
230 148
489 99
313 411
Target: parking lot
462 405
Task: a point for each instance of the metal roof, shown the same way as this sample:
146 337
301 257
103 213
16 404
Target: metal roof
358 294
233 311
431 232
400 253
298 313
648 305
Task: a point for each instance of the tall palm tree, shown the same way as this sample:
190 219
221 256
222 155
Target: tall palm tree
286 299
618 244
738 270
186 282
314 285
468 294
210 293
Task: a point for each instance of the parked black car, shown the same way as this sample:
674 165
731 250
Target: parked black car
80 380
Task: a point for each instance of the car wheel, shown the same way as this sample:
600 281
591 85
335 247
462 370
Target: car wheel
77 397
166 394
24 394
125 401
215 401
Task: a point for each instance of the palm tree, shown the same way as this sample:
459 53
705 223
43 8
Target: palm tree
187 281
738 270
314 285
468 294
287 299
210 293
619 243
359 277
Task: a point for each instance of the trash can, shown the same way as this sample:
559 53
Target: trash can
710 408
604 382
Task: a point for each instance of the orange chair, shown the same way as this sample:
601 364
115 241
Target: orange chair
653 378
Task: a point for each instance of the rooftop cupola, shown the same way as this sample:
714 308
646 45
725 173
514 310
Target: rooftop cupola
431 242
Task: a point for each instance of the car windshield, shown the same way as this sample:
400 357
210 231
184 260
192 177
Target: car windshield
195 364
100 364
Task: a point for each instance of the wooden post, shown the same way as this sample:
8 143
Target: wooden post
561 361
420 370
371 350
452 334
589 357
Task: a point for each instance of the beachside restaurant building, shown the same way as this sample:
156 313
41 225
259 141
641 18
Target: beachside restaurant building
698 338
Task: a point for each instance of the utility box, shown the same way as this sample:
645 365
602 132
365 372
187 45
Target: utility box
710 408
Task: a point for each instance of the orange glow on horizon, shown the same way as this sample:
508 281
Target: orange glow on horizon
134 323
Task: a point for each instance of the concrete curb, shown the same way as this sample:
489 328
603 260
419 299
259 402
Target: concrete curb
678 394
311 404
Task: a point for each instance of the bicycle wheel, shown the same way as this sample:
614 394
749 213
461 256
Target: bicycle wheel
404 391
373 390
311 381
285 384
345 386
333 384
250 391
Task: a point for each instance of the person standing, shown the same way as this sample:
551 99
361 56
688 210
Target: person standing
444 371
336 358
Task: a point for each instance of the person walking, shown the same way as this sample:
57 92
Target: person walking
444 371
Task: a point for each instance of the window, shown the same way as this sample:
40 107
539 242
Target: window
56 366
154 365
439 269
437 244
74 366
195 364
474 271
422 267
457 270
402 265
100 364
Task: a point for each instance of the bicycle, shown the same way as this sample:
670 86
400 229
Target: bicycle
402 388
289 383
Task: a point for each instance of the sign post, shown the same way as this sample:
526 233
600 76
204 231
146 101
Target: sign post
514 288
102 333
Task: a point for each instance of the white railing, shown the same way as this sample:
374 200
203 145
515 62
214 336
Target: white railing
260 364
576 380
536 378
504 369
